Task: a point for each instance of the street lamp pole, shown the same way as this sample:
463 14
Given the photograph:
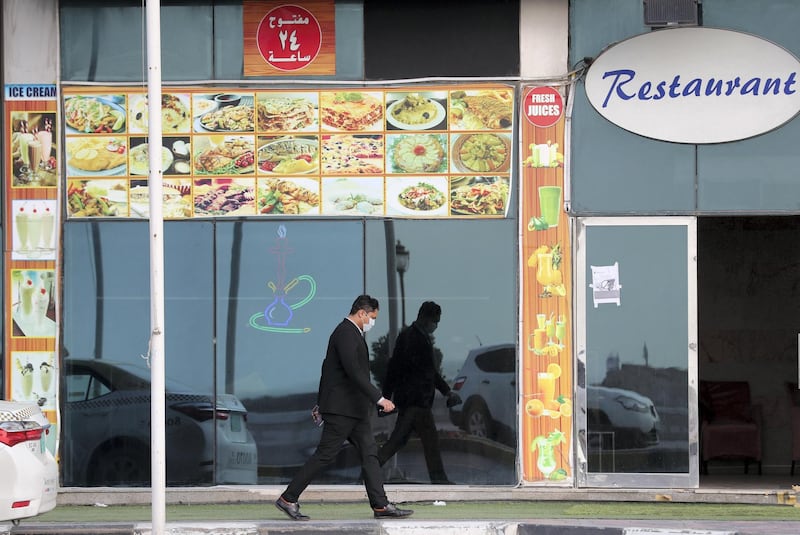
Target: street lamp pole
402 260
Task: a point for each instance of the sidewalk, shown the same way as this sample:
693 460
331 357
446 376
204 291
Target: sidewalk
414 527
258 516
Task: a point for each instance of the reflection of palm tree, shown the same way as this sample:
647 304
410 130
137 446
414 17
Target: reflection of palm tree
99 282
233 292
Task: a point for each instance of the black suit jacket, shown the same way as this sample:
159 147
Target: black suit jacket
411 376
344 386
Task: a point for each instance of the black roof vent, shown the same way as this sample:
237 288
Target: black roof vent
663 13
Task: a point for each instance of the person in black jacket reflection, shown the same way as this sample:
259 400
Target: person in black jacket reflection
411 382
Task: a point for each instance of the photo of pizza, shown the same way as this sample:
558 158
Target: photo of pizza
352 154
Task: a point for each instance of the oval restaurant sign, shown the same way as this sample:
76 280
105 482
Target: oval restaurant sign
695 85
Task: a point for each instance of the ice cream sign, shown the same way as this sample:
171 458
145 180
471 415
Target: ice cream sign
695 85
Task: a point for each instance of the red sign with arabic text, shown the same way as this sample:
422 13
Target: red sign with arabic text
289 38
283 39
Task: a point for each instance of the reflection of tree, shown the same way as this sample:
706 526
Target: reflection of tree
380 359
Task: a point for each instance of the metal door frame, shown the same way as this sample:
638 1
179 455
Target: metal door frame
634 480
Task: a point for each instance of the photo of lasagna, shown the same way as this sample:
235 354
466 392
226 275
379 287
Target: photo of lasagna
351 111
283 113
352 154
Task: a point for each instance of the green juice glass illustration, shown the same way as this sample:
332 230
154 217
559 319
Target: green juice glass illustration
550 204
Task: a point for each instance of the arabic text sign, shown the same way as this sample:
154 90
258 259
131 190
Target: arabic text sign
695 85
287 39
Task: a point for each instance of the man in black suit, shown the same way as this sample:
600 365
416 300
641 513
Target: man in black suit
411 381
346 400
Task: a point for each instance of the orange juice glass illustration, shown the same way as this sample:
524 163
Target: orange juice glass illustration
547 386
544 272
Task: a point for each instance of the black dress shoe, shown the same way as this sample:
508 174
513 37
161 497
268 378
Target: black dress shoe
391 511
292 510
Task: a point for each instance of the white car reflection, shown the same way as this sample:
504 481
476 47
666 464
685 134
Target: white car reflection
629 417
106 439
487 383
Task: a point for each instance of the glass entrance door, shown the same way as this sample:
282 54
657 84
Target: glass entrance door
636 290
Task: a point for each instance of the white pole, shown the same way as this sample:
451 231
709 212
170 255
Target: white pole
157 392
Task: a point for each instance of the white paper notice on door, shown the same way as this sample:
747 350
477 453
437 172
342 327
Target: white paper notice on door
605 284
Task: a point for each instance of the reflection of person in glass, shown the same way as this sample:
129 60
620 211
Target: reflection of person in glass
411 382
346 399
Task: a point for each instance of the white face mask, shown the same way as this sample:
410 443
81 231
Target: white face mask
369 325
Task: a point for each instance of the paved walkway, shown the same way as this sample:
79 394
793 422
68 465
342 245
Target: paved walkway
411 527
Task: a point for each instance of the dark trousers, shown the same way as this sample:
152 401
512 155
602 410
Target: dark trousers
335 431
419 420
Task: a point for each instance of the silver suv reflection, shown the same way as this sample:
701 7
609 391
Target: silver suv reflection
487 383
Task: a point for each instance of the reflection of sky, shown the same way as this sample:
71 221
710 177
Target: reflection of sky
468 267
653 299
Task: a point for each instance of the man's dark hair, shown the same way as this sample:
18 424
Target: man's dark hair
365 303
429 310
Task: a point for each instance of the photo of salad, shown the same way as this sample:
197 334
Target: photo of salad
416 196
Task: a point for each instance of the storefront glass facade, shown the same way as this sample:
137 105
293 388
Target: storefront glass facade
221 276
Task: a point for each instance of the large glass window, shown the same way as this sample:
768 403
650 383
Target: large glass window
249 307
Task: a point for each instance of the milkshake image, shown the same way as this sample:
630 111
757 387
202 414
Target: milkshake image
35 228
45 137
48 226
34 153
46 376
26 297
26 380
21 221
25 138
41 302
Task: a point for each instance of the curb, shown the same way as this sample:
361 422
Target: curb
384 527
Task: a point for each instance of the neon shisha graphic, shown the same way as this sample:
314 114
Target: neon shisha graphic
279 313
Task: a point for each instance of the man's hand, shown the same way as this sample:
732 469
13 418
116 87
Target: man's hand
453 399
386 405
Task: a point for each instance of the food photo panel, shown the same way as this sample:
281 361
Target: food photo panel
351 111
358 196
175 192
96 156
176 117
482 109
95 114
352 154
479 195
224 197
419 196
102 197
287 155
33 229
416 153
288 196
223 155
287 112
33 378
34 153
32 303
223 112
480 152
425 110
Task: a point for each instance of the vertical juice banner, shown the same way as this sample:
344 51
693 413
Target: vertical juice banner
546 348
30 252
